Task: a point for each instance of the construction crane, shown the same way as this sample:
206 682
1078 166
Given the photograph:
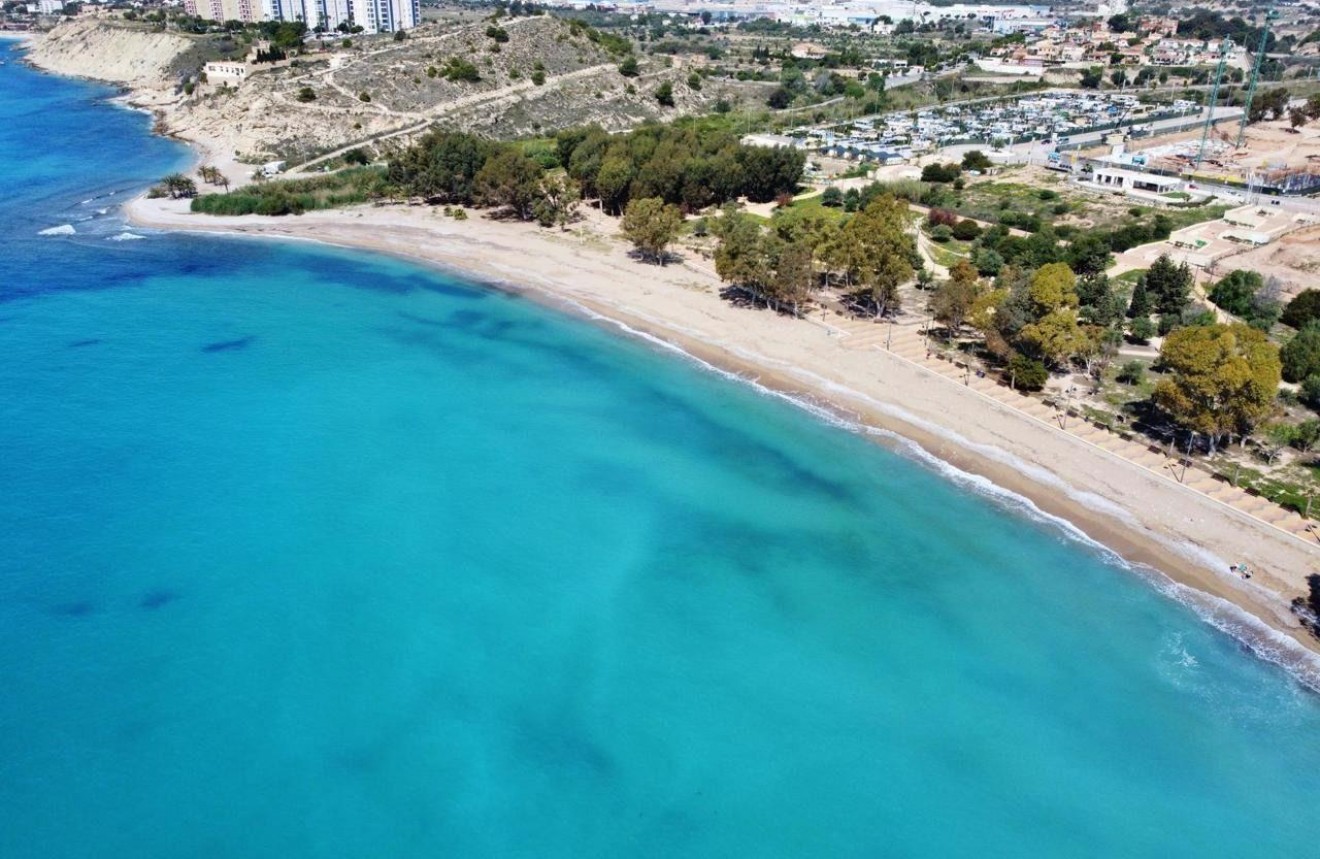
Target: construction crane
1224 49
1255 75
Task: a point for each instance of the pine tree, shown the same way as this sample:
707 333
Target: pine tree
1140 305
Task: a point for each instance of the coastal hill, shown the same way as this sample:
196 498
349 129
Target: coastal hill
523 76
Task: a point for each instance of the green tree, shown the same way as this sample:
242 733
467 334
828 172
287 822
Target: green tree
1089 253
1236 292
511 180
441 167
306 94
1141 305
1304 308
876 252
651 225
953 299
832 197
1053 287
739 258
1223 379
612 182
794 273
558 202
1300 356
664 94
1169 285
1057 337
629 68
1027 374
976 160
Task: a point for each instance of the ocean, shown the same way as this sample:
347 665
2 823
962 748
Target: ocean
309 553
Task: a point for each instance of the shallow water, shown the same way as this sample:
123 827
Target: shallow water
309 553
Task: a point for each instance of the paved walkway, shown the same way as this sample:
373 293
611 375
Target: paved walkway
906 341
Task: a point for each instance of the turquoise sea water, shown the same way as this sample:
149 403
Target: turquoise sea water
305 553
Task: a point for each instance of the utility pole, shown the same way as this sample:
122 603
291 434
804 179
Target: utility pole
1255 76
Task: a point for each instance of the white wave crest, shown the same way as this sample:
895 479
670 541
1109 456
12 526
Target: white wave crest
124 237
1254 634
61 230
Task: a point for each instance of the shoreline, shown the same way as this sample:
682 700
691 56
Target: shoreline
1179 540
602 283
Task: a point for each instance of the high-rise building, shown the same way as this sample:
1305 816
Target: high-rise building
373 16
386 16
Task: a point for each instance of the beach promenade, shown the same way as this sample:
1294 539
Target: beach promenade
908 340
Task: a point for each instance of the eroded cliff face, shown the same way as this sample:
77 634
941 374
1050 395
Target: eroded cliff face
90 48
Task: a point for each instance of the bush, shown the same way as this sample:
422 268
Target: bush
832 197
499 34
306 94
940 172
1132 373
664 94
941 233
976 160
628 68
1311 391
460 70
1142 329
966 230
1300 356
357 156
400 36
538 77
1302 309
1027 374
364 96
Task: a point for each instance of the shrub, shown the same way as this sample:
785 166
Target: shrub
1027 373
664 94
364 96
832 197
966 230
976 160
628 68
1132 373
1311 391
1142 329
538 77
357 156
400 35
941 233
499 34
1300 356
1302 309
937 217
940 172
306 94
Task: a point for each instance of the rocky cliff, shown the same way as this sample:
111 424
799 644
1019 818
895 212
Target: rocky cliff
90 48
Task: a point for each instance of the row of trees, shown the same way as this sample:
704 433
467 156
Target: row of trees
683 167
870 255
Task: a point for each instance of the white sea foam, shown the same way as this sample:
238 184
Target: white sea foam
124 237
61 230
1261 639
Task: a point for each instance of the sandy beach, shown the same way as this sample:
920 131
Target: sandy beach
1149 520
